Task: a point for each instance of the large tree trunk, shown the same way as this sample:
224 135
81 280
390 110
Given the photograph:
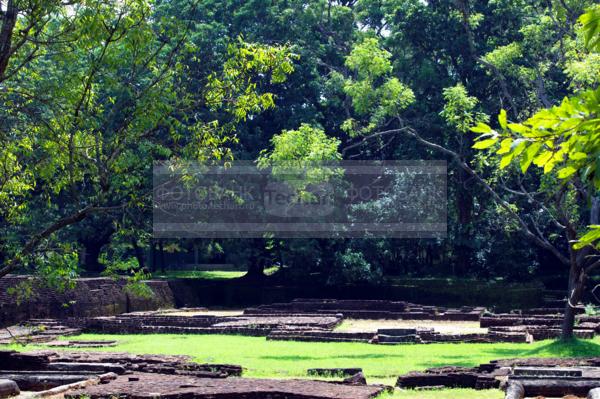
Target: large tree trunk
9 20
569 319
139 253
577 273
91 260
577 281
161 250
93 244
464 204
256 270
257 261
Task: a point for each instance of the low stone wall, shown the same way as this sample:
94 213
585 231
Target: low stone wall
91 297
536 376
250 325
371 309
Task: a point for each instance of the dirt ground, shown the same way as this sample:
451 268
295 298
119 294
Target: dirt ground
444 327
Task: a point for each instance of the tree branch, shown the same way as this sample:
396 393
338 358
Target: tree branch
35 240
539 240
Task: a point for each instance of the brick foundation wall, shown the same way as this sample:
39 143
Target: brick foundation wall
91 297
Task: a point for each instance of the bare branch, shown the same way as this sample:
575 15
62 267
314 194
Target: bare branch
539 240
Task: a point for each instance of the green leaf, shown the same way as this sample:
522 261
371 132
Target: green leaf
591 28
529 155
502 119
543 158
505 161
518 128
578 156
483 144
481 128
588 238
505 146
566 172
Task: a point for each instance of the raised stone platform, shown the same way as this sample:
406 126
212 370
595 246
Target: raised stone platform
371 309
123 375
94 362
534 377
144 385
251 325
276 326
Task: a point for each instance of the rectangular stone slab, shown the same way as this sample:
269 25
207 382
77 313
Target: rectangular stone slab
547 372
558 387
162 386
87 367
397 332
41 381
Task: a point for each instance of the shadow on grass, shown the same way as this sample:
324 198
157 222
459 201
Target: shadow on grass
571 348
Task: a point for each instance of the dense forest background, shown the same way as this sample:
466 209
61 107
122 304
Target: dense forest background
94 95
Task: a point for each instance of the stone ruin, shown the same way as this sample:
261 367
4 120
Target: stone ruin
90 297
316 321
370 309
109 375
520 378
542 323
104 375
36 331
280 325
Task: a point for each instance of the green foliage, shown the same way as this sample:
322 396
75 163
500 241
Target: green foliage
460 108
57 269
307 144
301 158
351 267
369 60
235 88
374 93
565 135
504 57
590 22
89 109
591 309
84 115
563 140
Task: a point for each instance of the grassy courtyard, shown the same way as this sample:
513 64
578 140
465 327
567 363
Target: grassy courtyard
381 364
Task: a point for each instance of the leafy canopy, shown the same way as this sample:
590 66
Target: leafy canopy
563 140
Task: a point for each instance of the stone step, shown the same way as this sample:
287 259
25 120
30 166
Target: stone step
394 339
547 372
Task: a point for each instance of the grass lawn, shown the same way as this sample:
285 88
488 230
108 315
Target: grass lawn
381 364
210 274
206 275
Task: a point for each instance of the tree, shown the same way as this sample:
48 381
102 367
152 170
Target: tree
564 141
88 115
